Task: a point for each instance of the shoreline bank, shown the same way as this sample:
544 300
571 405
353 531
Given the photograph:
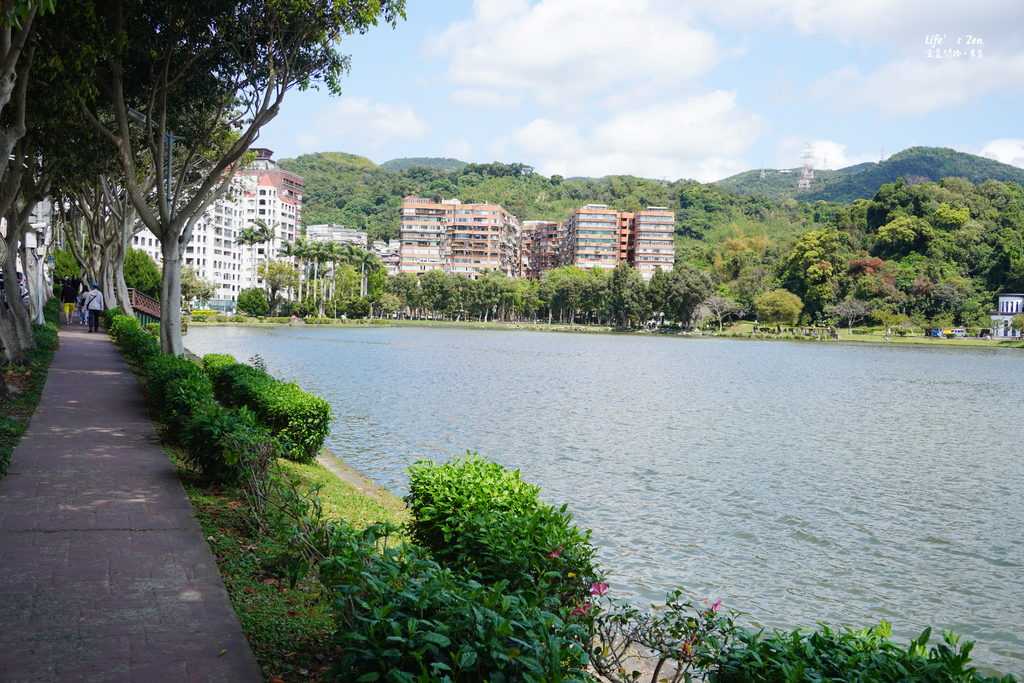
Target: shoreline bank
844 337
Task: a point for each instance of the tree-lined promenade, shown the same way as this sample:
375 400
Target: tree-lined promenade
137 115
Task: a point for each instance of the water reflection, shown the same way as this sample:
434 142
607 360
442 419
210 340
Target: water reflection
798 482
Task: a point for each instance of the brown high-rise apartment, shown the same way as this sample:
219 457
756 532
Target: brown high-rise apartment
545 245
654 242
457 237
422 234
593 233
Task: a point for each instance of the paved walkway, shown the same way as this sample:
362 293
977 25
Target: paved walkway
104 574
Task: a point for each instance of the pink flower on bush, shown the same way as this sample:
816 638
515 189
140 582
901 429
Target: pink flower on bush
714 607
598 588
581 610
555 554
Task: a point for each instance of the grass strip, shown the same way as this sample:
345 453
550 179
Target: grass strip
17 408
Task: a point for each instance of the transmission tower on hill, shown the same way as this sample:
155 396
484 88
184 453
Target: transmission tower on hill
807 168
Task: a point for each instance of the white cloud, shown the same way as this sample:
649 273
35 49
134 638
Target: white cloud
900 25
460 148
376 123
564 51
1005 150
919 86
703 137
826 154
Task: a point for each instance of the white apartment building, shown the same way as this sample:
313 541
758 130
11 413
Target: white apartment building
263 191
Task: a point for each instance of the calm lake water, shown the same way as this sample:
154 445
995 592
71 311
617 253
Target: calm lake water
841 483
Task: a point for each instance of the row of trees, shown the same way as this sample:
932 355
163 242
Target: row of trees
566 295
133 115
319 278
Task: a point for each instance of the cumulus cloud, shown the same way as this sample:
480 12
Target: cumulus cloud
826 154
459 148
562 52
1005 150
703 137
373 122
919 86
901 26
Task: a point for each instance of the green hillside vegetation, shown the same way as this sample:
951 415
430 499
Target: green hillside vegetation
444 164
930 252
915 165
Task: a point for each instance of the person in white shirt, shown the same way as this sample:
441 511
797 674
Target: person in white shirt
94 304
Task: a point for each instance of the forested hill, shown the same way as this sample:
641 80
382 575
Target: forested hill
404 163
916 164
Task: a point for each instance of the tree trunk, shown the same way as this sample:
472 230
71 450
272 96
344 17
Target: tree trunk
170 299
20 320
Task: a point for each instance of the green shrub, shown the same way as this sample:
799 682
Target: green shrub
212 437
301 421
109 315
176 385
213 363
403 617
153 329
135 344
45 336
320 321
866 656
200 318
472 485
481 519
183 395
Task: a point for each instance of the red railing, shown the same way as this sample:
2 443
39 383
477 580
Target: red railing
143 303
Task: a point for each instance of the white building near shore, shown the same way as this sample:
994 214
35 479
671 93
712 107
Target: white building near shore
1008 307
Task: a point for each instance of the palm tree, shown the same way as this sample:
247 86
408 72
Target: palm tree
368 264
290 252
249 236
317 254
264 234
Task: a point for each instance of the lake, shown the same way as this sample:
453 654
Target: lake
798 482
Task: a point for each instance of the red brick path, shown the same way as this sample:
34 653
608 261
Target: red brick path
104 574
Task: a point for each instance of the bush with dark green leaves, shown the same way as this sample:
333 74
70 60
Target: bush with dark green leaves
479 518
135 344
403 617
45 336
214 363
214 437
866 656
177 387
300 420
253 301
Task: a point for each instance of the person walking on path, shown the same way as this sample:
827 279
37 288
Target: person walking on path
94 304
68 297
105 574
82 315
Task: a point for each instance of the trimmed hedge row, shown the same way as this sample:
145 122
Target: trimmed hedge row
300 420
212 436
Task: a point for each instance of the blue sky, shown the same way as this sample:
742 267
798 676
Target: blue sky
672 89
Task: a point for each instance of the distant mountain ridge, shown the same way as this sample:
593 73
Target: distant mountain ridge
445 164
915 164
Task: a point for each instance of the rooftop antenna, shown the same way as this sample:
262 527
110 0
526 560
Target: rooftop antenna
807 168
